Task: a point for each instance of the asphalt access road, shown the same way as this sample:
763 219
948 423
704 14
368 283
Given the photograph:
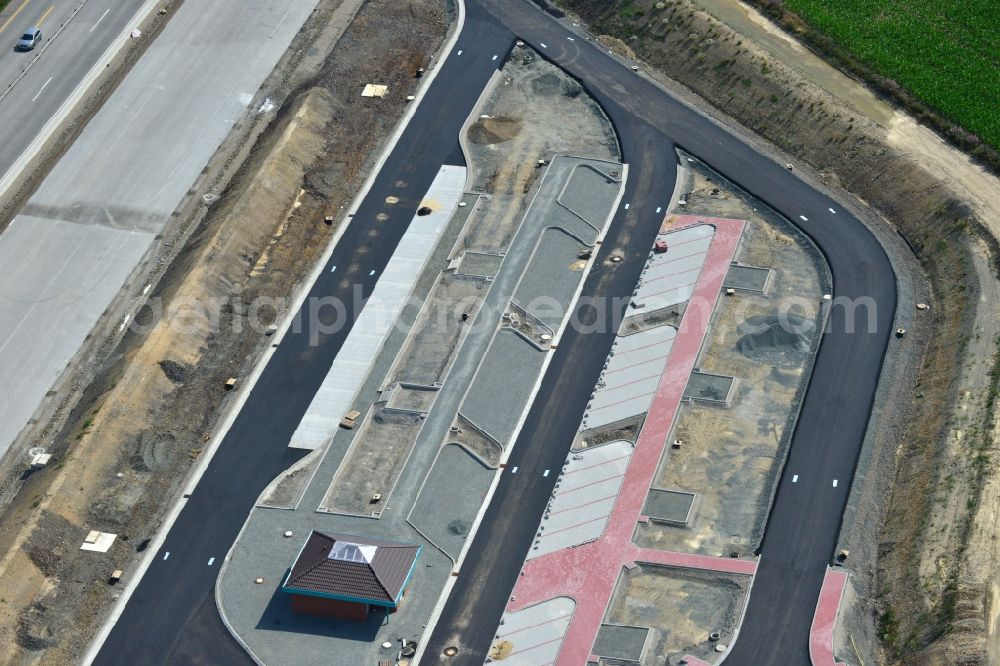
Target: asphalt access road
805 520
167 618
27 107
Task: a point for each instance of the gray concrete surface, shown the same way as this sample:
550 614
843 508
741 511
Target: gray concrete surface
581 504
626 386
444 491
453 492
510 368
670 277
615 641
670 505
99 209
534 634
748 278
349 369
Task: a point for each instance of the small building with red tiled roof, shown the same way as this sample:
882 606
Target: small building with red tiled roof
343 576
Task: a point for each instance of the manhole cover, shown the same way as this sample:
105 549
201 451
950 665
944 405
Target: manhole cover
450 651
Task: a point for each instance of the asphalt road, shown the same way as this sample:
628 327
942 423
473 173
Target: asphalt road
59 69
170 617
805 520
167 620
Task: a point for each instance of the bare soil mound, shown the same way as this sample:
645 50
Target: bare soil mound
775 339
488 131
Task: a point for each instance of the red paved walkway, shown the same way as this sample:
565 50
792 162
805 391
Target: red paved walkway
588 573
825 618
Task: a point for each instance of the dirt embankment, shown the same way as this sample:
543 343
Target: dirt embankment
947 608
131 440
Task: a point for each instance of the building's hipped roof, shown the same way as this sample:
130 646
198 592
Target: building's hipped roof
353 566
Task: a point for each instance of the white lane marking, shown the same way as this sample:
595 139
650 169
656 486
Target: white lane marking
571 39
835 483
41 89
166 555
370 273
101 19
804 218
514 470
626 206
494 57
211 561
832 211
459 52
658 208
795 478
333 269
546 473
544 46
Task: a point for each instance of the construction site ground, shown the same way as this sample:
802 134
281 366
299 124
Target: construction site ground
731 455
434 482
924 201
680 607
144 419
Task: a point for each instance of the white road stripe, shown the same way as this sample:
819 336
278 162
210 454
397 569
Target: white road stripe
795 478
166 555
333 269
544 46
494 57
546 473
835 483
459 52
371 272
571 39
101 19
804 218
41 89
514 470
832 211
626 206
658 209
211 561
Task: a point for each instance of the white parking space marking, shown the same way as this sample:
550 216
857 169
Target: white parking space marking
804 218
514 470
835 483
100 19
832 211
546 473
211 561
166 555
795 478
41 89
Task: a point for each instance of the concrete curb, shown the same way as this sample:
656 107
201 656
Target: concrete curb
303 294
236 406
508 450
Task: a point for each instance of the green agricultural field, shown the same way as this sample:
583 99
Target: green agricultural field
946 52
